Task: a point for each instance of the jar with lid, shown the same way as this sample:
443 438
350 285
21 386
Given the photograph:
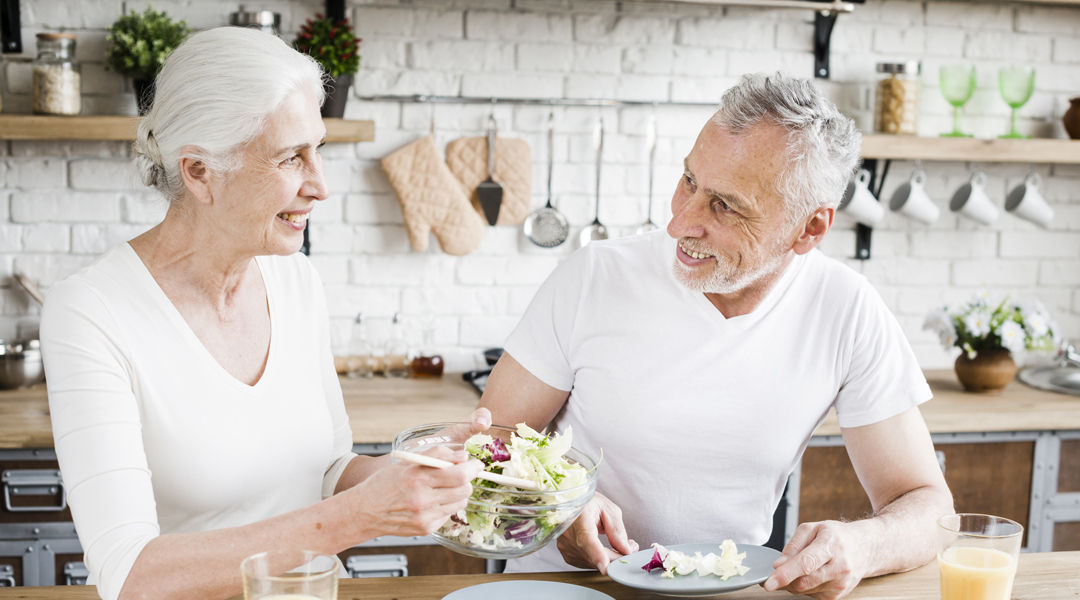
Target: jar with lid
896 106
57 77
427 363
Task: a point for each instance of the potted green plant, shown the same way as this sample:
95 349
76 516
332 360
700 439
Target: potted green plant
138 45
332 43
989 330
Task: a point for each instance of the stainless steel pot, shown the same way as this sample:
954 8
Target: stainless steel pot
20 364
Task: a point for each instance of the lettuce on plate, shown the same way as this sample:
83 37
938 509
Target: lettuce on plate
673 562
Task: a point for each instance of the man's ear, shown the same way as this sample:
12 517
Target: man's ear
197 177
814 229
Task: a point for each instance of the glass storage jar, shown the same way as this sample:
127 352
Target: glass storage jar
57 78
896 105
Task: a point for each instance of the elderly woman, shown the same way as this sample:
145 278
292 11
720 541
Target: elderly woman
196 412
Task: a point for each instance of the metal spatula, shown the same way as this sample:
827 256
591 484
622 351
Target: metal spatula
489 192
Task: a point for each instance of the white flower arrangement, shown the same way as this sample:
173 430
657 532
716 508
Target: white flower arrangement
987 322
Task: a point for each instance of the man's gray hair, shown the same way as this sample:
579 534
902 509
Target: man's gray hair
823 145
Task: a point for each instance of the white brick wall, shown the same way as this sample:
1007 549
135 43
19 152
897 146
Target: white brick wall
62 203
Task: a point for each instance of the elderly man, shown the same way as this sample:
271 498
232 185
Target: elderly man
701 361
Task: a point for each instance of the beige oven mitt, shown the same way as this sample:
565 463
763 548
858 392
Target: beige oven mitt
467 158
432 199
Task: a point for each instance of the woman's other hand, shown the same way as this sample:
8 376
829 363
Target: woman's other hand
479 421
406 499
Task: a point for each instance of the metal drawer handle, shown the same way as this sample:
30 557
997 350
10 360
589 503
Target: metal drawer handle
7 576
378 565
33 482
75 573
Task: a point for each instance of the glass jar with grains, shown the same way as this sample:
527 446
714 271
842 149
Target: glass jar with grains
896 107
57 80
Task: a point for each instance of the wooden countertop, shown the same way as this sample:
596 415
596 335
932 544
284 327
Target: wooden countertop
380 408
1046 576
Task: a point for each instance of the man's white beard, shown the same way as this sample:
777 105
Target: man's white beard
723 281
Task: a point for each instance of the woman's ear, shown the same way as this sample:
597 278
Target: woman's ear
197 177
817 225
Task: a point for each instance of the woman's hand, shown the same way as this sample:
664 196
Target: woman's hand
479 421
405 499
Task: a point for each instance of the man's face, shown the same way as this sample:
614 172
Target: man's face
729 221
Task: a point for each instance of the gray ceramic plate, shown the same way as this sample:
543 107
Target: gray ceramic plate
527 590
758 558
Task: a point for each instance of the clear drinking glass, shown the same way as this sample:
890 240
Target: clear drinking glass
977 555
957 85
290 575
1016 85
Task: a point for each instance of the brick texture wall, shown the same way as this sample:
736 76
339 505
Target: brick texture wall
63 203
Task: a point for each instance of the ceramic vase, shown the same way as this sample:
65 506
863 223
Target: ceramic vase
1071 120
337 92
988 373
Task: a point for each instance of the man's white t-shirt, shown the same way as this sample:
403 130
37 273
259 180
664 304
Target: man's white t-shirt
701 418
154 436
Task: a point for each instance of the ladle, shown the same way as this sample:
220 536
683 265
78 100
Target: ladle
547 227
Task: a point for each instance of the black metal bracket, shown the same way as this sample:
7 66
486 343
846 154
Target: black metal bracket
863 232
306 247
823 25
10 27
335 9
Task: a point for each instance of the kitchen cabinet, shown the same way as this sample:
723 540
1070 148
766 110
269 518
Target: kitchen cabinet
1016 455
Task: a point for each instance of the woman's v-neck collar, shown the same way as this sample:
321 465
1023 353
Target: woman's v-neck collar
727 325
181 325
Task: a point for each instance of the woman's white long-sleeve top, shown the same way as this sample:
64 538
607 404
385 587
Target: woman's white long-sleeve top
155 437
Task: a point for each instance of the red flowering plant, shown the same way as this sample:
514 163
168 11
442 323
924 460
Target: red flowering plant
332 43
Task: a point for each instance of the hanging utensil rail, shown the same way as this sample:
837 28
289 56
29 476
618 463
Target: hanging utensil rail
536 101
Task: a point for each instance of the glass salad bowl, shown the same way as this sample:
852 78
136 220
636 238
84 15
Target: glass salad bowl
502 522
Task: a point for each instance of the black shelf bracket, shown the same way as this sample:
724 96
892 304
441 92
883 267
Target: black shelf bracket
335 9
823 25
10 27
863 232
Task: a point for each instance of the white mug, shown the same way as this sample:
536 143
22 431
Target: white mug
972 202
1026 202
910 200
859 201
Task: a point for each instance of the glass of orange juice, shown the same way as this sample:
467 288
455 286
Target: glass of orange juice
977 555
290 575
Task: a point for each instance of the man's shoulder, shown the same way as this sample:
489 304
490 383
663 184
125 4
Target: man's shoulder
834 277
636 252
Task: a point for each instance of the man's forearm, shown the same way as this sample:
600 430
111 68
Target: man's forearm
903 534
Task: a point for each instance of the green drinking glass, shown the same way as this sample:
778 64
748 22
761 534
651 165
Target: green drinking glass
957 85
1016 85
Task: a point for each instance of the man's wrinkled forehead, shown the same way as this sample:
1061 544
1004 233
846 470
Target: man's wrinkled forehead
747 164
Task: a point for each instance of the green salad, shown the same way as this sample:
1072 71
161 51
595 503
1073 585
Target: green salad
500 517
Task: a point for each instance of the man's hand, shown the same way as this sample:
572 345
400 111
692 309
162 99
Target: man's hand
823 560
580 545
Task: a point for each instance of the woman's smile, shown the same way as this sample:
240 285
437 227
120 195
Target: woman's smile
294 220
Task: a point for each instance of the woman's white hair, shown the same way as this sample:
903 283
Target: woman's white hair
212 98
823 145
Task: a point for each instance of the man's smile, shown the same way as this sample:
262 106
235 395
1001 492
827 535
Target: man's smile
693 254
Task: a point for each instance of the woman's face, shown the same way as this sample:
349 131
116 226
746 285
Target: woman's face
265 205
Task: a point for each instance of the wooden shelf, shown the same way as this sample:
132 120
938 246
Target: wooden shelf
39 127
970 149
